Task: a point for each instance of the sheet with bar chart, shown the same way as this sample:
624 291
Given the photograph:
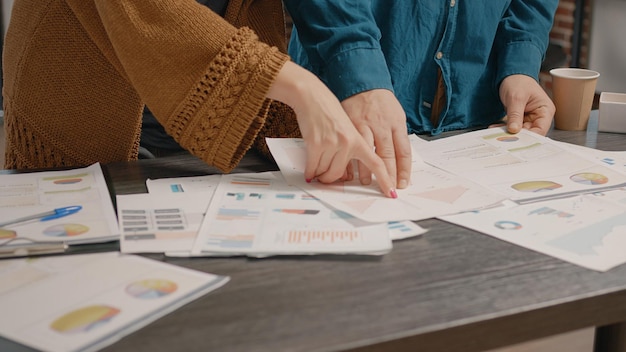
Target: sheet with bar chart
260 215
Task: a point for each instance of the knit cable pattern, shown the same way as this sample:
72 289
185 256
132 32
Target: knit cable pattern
222 115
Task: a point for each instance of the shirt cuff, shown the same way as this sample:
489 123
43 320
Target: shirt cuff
356 71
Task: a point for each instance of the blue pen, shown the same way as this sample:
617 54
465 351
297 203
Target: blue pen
49 215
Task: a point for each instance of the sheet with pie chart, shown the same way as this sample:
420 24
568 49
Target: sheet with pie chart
85 302
432 191
586 230
25 194
525 167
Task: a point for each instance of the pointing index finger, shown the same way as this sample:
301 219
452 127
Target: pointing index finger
377 166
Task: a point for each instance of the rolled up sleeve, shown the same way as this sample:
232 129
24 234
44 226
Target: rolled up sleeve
341 42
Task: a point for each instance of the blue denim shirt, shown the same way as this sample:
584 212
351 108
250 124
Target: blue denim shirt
358 45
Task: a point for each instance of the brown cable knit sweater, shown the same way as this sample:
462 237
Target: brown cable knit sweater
77 74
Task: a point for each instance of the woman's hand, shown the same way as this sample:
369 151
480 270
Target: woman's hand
331 139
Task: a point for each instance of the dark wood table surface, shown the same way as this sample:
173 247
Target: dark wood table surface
451 289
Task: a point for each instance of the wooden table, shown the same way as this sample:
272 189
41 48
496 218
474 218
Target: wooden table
451 289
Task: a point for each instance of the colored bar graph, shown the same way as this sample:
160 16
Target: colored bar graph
237 195
176 188
231 241
298 211
286 196
250 181
326 236
550 211
398 226
237 214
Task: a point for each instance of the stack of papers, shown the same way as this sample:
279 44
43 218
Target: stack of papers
565 201
245 214
561 200
555 198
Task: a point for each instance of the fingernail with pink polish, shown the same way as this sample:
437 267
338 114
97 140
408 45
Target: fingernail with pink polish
308 180
393 194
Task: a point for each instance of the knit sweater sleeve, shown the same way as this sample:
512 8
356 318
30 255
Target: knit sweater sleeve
203 79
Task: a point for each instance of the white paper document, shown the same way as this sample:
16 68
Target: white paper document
86 302
525 167
190 184
31 194
432 192
614 160
588 230
163 222
259 215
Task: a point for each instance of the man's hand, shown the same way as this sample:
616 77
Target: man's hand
527 105
379 117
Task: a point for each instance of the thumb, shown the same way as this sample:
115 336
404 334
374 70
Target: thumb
515 117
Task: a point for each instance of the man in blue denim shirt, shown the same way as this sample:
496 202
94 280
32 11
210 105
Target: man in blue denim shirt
424 66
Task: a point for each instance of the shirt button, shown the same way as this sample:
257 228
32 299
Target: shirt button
439 55
452 3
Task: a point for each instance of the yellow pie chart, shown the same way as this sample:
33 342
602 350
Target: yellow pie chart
536 186
84 319
589 178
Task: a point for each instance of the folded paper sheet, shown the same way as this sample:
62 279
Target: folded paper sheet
432 191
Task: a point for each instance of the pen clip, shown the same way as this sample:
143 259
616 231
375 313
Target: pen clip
61 212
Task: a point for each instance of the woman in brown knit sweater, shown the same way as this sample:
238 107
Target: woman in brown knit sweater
77 74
